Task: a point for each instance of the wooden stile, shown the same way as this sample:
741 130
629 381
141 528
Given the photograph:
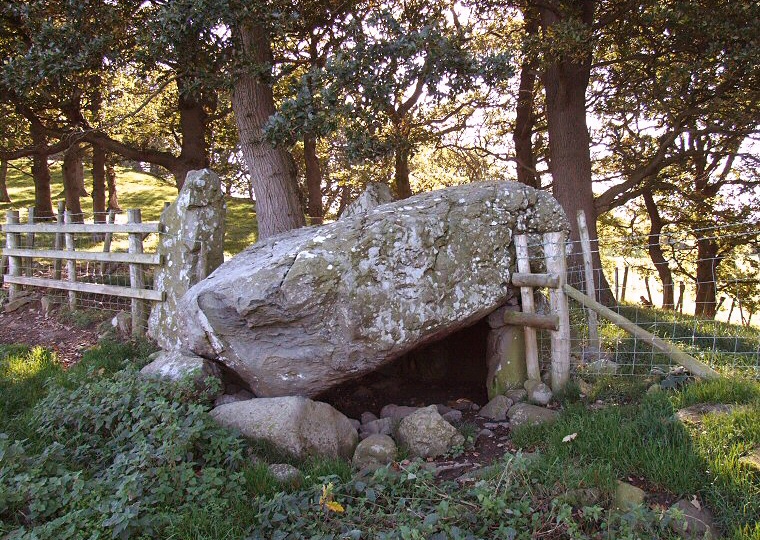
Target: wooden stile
528 306
554 255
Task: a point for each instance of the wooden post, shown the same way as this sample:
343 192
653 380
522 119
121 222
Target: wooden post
14 263
528 306
136 275
625 284
58 242
617 290
671 351
71 264
107 240
554 254
29 261
588 268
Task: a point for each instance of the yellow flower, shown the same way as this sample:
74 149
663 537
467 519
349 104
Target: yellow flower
335 507
326 500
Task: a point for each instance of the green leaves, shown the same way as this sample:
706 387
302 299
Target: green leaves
121 454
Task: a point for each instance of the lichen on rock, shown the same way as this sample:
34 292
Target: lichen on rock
306 310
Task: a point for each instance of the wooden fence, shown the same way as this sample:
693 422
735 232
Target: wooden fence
20 259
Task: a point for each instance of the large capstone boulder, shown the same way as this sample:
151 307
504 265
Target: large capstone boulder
294 425
306 310
192 247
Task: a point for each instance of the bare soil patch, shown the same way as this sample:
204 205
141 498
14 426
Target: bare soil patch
29 326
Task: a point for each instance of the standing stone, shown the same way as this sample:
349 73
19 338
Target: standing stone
192 246
375 194
303 311
505 357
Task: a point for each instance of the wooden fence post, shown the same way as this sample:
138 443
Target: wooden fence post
71 264
107 239
58 241
554 254
136 275
588 268
14 263
29 262
528 306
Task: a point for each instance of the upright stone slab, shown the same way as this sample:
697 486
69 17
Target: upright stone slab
192 247
303 311
505 355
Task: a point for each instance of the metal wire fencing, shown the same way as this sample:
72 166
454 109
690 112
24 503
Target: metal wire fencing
699 291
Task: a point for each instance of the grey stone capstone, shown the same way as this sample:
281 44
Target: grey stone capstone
303 311
426 434
192 247
295 425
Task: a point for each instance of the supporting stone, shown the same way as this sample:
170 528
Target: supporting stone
505 357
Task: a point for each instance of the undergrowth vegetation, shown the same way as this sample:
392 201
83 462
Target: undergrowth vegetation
97 452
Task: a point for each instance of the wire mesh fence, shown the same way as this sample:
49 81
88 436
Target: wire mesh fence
702 300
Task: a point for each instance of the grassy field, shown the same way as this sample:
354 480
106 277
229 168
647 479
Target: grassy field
135 190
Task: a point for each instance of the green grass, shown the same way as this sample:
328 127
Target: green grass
24 375
135 190
643 439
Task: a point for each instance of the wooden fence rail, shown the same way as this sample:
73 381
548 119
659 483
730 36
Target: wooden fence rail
64 249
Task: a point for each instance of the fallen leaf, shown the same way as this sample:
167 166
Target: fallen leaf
570 437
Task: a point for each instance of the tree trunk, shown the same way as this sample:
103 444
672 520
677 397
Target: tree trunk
82 189
4 197
655 252
565 83
43 206
401 176
345 199
707 266
71 160
193 122
525 117
113 198
272 171
313 180
99 184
